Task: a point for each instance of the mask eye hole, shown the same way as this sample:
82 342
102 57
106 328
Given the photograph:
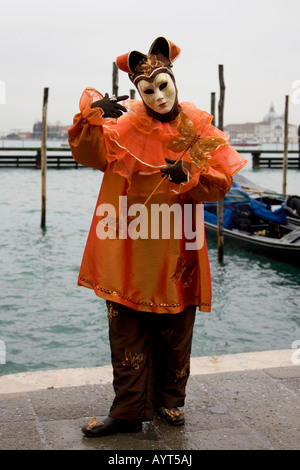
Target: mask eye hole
149 91
163 85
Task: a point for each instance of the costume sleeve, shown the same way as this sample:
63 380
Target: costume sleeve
211 184
210 175
86 135
214 179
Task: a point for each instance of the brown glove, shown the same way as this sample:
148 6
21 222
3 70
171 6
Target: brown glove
175 172
110 105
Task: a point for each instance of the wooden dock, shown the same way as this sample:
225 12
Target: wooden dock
17 157
272 161
60 157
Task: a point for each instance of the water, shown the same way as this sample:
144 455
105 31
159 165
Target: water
47 322
31 143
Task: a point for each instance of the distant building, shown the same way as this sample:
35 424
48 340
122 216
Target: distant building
270 130
53 131
241 132
24 135
12 136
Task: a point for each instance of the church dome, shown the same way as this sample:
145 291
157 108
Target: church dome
271 115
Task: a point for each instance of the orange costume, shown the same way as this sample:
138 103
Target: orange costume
129 260
154 275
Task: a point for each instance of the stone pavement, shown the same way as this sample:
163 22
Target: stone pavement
247 401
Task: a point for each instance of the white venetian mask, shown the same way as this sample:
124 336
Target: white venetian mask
159 94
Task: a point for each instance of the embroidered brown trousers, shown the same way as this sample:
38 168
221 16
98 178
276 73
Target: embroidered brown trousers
151 359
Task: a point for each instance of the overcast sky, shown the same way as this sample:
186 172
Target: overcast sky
67 45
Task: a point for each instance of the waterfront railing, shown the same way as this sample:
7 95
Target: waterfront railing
61 157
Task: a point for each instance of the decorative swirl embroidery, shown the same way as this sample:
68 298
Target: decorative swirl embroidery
147 65
133 360
174 414
112 311
180 373
184 272
93 422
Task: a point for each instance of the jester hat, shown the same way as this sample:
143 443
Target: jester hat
159 59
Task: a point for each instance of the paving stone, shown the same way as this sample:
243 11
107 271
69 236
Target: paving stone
240 410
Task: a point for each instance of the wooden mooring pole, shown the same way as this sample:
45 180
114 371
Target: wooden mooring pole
212 106
115 79
220 205
286 143
44 157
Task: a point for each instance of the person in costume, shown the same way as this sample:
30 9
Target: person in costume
152 283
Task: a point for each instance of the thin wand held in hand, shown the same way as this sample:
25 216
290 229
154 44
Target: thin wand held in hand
166 176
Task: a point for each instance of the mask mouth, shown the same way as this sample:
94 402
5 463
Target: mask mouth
164 117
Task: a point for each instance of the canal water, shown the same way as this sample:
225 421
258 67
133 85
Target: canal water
47 322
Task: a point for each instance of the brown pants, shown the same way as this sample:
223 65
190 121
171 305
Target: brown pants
151 359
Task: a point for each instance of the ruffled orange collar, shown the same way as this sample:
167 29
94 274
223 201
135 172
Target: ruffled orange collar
146 139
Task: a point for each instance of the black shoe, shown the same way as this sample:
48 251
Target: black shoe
172 416
110 426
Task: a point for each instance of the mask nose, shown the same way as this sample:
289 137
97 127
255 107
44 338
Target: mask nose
159 95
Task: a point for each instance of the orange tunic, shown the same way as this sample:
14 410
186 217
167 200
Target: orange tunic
138 264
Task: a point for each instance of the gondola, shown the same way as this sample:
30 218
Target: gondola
259 221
